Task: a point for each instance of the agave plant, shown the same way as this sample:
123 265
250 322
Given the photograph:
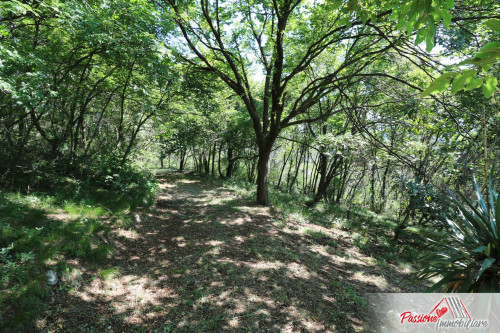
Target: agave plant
469 259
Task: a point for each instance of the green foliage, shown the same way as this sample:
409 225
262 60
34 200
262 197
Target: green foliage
78 80
493 24
439 85
31 243
468 260
425 199
109 273
124 180
424 17
486 57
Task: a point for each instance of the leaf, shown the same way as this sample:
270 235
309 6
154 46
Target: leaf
480 249
450 4
420 36
427 6
436 87
497 214
481 60
476 83
429 41
446 17
493 24
4 86
489 86
409 27
364 17
465 78
336 4
484 266
494 46
488 54
439 85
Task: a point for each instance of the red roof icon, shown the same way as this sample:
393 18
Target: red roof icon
452 305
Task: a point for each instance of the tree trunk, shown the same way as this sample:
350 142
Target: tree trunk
251 171
213 157
316 169
206 162
383 200
263 171
323 164
230 162
181 163
372 188
285 161
294 179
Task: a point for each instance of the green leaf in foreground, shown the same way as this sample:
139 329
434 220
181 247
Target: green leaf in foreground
461 80
489 86
439 85
493 24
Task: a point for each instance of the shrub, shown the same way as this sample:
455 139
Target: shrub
469 260
109 173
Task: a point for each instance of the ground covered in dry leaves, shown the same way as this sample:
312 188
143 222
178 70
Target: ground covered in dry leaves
205 260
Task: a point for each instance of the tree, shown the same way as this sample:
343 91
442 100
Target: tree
78 80
303 51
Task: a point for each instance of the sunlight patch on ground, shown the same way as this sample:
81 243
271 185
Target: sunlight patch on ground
167 185
265 265
234 322
250 296
238 239
304 318
237 221
257 210
180 240
188 181
377 280
129 295
320 249
297 217
125 234
298 271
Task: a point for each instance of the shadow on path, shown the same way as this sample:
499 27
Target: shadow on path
204 260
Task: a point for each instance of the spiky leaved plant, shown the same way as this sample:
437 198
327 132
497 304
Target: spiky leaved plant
468 260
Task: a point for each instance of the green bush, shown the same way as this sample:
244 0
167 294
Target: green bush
469 260
109 173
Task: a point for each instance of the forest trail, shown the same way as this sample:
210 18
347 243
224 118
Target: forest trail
205 260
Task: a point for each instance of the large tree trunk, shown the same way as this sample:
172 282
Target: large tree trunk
262 172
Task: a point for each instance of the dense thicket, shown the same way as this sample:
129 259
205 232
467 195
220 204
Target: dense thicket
79 81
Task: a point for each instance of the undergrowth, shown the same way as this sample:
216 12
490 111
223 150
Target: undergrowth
63 221
373 234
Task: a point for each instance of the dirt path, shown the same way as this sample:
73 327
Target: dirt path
205 260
